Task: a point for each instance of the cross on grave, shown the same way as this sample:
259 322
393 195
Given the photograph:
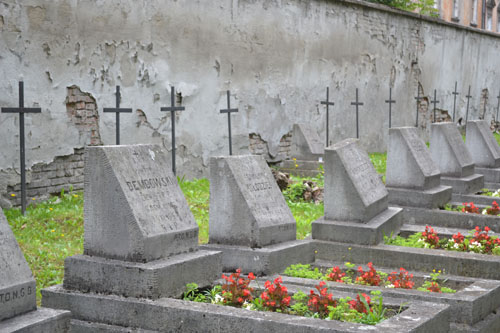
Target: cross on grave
498 106
357 104
117 110
467 112
229 111
172 108
455 93
418 99
435 101
390 101
327 103
22 110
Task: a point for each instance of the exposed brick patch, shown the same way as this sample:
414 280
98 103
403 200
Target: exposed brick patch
259 147
81 107
64 172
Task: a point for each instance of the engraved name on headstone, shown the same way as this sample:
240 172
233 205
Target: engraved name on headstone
409 162
17 285
246 205
134 208
353 189
482 145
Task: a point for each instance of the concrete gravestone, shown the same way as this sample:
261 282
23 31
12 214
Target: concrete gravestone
356 201
248 211
449 152
307 152
140 235
412 178
18 290
485 151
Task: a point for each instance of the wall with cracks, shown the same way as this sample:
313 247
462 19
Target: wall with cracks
276 57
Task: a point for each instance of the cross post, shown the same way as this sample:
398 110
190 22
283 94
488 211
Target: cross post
467 112
455 93
117 110
357 104
172 108
22 110
229 111
327 103
498 106
435 101
390 101
418 99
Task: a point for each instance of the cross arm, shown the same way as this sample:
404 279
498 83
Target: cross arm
228 110
21 110
175 108
117 110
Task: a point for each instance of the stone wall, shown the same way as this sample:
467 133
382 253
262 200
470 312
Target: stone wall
276 57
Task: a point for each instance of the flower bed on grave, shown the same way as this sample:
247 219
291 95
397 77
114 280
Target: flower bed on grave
396 279
488 193
478 241
471 208
275 297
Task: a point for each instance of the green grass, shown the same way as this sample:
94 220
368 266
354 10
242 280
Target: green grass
197 193
48 233
497 136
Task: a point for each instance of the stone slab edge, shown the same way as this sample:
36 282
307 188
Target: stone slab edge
168 314
432 198
38 321
471 184
264 261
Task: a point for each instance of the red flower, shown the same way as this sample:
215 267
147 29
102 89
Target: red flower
275 296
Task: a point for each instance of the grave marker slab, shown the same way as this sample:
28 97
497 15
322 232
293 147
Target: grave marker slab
306 143
250 221
140 236
412 178
134 208
18 310
485 152
449 152
356 200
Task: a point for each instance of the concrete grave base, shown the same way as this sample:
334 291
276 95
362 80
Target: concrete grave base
41 320
478 200
491 175
456 263
80 326
431 198
303 168
470 305
263 261
492 186
369 233
159 278
173 315
468 184
444 218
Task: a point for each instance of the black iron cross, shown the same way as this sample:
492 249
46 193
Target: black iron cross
22 110
327 103
390 101
435 101
467 112
418 98
455 93
498 106
172 108
357 104
117 110
229 111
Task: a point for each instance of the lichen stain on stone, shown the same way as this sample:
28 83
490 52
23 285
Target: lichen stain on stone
1 22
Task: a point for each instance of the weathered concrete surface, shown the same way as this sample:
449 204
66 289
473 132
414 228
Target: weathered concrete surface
43 320
276 57
172 315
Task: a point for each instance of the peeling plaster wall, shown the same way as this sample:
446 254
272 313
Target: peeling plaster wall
276 57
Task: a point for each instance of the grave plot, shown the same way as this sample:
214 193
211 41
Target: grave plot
18 311
307 152
344 245
250 222
472 301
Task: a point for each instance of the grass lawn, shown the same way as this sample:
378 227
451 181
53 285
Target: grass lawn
53 230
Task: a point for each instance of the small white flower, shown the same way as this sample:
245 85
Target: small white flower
485 212
218 299
390 286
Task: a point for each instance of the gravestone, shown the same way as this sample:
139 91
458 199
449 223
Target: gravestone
18 289
140 236
249 217
412 177
356 200
485 152
449 152
307 152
